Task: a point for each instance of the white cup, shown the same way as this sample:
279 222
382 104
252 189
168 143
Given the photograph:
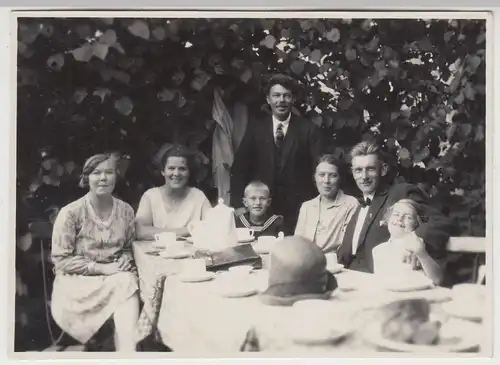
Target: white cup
168 241
194 266
244 233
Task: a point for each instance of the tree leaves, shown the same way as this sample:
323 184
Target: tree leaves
84 53
473 62
56 62
100 50
297 67
246 75
269 41
348 70
350 54
404 154
108 37
421 155
200 80
315 56
333 35
139 28
159 33
79 95
166 95
124 105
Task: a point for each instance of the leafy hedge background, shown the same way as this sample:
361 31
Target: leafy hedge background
86 85
130 85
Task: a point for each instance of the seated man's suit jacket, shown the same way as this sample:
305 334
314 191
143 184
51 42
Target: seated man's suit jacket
435 231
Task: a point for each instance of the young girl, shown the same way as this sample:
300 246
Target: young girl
257 201
405 252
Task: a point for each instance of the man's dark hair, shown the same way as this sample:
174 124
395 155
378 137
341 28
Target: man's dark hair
286 81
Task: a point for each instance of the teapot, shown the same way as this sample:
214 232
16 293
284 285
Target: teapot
217 231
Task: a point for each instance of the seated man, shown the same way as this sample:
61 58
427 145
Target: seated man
257 201
366 229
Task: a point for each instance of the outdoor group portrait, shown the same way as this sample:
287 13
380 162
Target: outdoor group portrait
304 184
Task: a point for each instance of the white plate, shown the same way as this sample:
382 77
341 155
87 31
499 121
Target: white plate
302 330
463 310
410 283
464 331
246 239
235 292
174 255
318 339
196 278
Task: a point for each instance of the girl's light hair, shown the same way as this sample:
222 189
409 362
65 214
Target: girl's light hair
259 185
415 207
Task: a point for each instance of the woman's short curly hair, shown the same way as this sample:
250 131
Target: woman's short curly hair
179 150
90 166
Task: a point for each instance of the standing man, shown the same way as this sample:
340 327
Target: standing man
367 229
279 150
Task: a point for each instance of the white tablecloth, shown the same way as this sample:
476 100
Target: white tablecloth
196 320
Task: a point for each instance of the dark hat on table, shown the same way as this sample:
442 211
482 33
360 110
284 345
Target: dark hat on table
297 271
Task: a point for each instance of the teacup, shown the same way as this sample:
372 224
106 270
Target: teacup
244 233
165 239
194 266
242 269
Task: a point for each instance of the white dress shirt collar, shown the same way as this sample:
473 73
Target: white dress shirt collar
285 123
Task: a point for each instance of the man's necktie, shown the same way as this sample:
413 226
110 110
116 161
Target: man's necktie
365 202
279 135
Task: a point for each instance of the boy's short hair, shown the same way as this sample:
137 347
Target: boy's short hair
416 207
256 184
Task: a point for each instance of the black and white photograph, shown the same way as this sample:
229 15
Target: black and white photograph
215 184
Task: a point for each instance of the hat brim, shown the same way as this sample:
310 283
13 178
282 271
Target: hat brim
272 296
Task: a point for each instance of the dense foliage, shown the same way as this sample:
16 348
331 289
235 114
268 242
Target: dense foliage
131 85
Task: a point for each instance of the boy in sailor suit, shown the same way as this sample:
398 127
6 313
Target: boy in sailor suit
257 201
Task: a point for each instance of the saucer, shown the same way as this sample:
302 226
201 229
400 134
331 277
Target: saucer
246 239
174 255
316 334
456 336
230 289
407 283
196 277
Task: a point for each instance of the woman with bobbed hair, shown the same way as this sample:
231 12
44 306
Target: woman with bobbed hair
175 204
92 255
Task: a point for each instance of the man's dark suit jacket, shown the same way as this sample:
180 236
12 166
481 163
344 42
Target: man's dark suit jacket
290 185
435 231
